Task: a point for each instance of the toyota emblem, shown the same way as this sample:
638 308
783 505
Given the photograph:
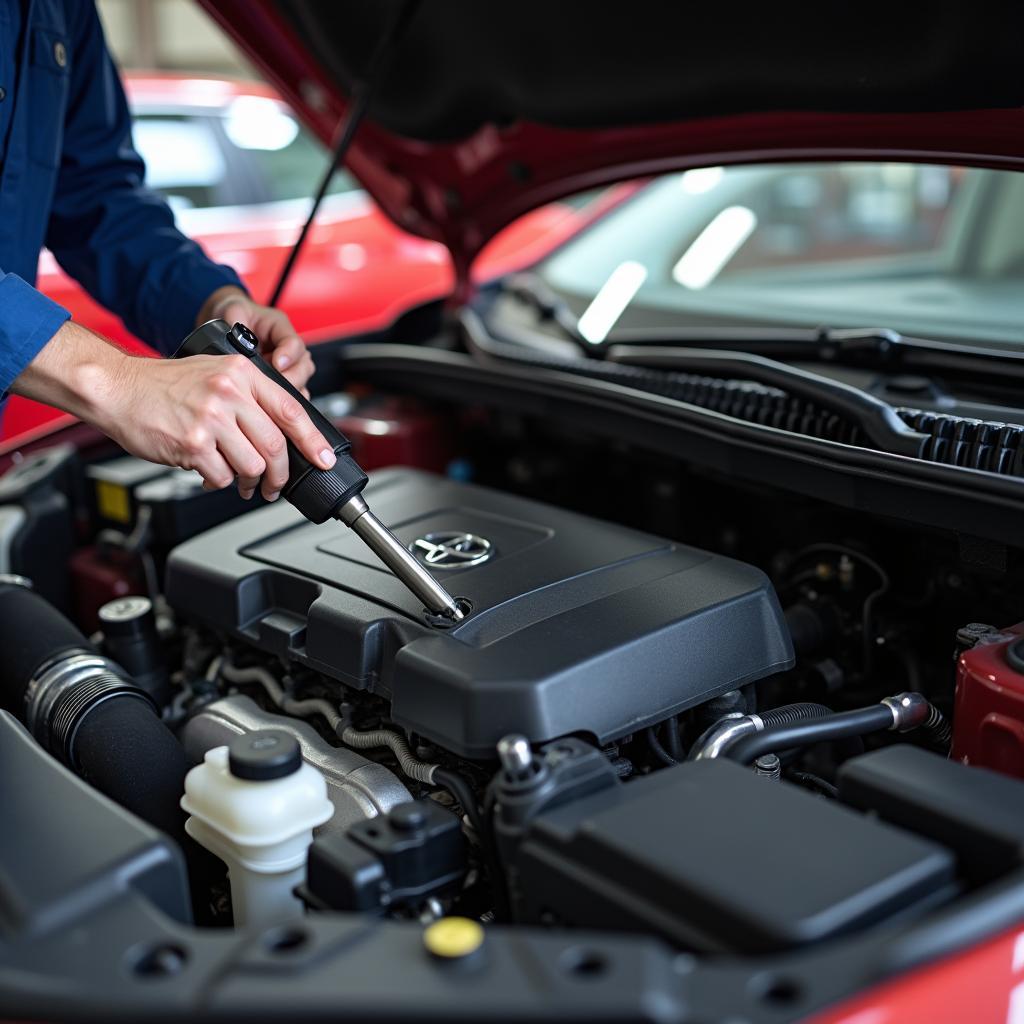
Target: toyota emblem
452 549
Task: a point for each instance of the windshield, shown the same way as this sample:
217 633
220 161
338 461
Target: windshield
927 250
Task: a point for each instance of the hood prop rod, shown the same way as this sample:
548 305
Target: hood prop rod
362 91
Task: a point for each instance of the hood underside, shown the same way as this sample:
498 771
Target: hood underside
485 110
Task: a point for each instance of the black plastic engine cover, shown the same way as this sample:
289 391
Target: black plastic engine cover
577 626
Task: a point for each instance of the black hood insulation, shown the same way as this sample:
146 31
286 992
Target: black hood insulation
571 64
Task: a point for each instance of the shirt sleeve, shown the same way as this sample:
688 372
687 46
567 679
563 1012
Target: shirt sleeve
28 320
107 230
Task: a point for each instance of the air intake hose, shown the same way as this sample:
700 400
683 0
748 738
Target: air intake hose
83 709
900 713
789 714
732 728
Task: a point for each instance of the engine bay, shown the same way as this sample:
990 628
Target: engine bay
680 708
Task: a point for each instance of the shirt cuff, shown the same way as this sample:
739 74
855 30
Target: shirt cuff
194 280
28 320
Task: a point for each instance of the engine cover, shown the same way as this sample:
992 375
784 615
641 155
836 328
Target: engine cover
577 625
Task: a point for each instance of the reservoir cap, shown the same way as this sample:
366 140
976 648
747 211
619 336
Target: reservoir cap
264 755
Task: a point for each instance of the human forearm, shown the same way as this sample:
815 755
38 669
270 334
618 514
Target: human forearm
77 371
217 415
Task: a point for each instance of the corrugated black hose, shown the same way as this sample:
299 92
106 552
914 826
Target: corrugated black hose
803 733
86 711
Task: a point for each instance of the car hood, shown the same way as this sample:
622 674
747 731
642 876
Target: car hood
486 110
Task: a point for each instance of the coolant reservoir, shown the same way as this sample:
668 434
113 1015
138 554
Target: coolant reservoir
255 804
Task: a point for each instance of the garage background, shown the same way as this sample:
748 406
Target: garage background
172 35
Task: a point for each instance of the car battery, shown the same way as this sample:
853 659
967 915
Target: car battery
988 717
179 507
112 486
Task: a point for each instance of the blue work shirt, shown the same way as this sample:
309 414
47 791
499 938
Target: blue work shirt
71 180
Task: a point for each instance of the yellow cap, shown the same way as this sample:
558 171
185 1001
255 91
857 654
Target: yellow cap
452 938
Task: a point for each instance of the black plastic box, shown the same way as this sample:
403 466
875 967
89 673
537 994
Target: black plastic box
717 859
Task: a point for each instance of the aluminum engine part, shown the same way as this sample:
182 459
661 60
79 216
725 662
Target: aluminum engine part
358 788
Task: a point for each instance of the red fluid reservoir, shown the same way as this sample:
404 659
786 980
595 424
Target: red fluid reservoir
988 715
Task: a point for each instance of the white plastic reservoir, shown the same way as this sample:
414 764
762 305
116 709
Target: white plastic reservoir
255 804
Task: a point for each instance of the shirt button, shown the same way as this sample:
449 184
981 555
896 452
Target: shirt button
60 54
3 94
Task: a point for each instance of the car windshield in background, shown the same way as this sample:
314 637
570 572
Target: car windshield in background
927 250
252 151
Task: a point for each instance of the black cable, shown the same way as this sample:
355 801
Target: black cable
815 782
674 742
361 94
658 750
874 718
461 790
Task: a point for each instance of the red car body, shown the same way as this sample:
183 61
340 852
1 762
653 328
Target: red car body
358 272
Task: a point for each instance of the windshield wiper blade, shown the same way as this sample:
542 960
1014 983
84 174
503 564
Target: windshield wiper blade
880 348
876 348
534 291
880 422
876 341
825 343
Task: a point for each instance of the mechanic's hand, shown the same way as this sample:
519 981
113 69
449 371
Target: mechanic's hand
215 414
279 344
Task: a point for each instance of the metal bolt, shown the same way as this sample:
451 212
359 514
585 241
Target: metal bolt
769 766
515 756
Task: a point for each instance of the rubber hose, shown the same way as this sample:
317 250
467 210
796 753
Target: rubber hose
416 769
119 743
673 741
32 632
658 750
411 765
789 714
126 752
463 793
938 729
875 718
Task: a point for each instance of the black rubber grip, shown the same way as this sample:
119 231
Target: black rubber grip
316 493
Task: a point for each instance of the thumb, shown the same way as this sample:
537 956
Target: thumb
237 311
